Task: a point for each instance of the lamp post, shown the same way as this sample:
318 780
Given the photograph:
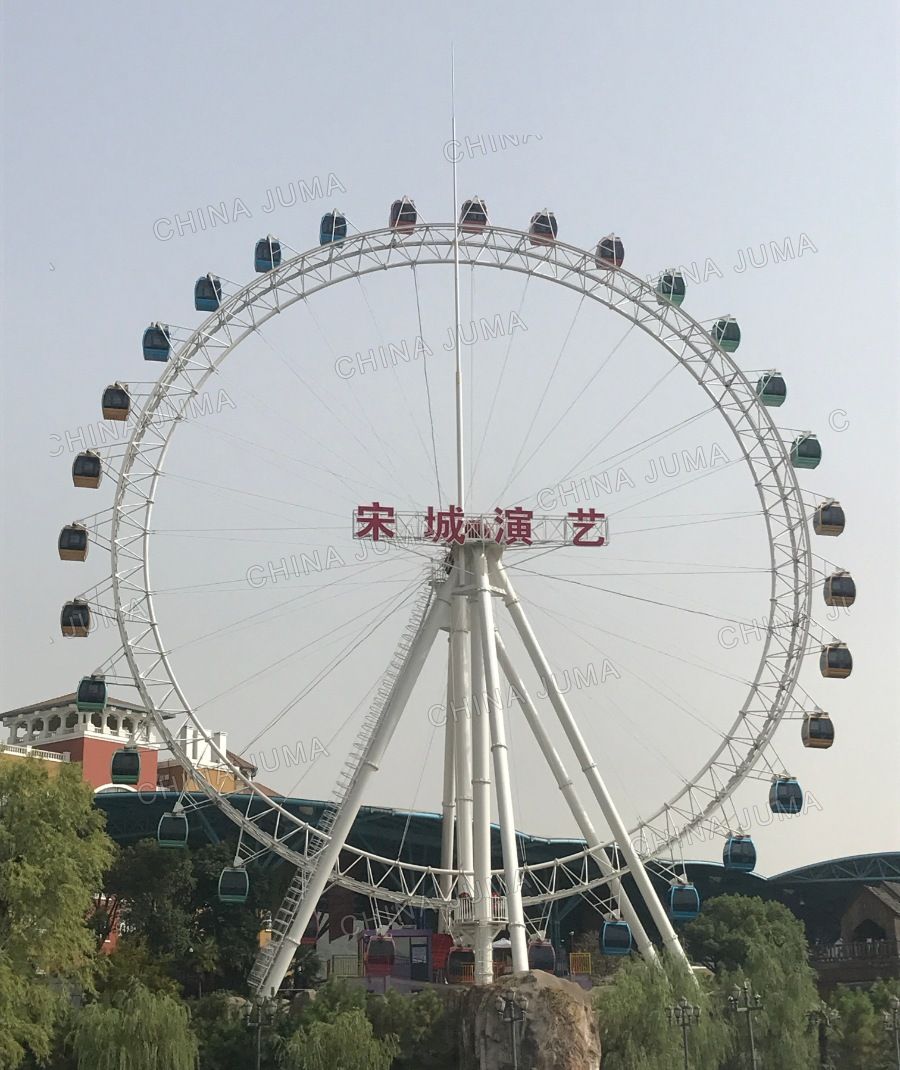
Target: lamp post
823 1019
746 1001
892 1025
684 1015
256 1022
512 1007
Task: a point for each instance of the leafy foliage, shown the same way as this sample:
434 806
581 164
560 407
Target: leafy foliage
861 1041
136 1030
53 852
635 1029
423 1027
347 1041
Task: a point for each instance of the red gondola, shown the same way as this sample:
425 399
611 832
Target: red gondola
461 966
541 956
380 955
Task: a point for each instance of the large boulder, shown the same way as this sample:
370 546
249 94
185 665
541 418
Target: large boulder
560 1031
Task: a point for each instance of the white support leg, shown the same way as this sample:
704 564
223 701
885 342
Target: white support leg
461 712
448 806
327 859
578 812
481 811
590 770
517 937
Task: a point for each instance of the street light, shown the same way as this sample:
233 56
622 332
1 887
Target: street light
263 1011
823 1019
512 1007
892 1024
746 1001
684 1015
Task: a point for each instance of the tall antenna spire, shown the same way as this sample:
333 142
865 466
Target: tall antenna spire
460 470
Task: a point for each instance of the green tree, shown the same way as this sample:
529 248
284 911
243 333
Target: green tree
173 910
741 937
136 1030
861 1041
422 1027
346 1041
53 853
635 1032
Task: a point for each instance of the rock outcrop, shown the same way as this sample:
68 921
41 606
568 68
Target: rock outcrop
560 1030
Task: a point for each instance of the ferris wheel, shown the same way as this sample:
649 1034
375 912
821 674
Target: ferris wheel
468 579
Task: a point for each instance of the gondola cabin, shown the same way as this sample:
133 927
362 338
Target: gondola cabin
116 403
156 344
835 662
73 543
771 389
207 293
785 796
87 470
460 968
543 228
739 854
333 228
380 955
829 519
817 731
75 619
91 695
473 216
839 590
684 902
671 287
267 254
615 938
610 252
727 333
234 885
172 830
126 766
403 216
806 452
541 956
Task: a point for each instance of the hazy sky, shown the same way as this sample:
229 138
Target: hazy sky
757 146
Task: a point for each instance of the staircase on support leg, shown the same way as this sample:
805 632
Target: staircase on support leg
293 899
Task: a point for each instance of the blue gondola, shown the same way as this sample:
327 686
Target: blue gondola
126 766
543 228
333 228
829 519
739 854
541 956
172 830
267 255
73 543
806 452
727 333
75 619
87 470
207 293
615 938
684 902
771 389
91 695
785 796
671 287
234 885
610 252
835 661
156 344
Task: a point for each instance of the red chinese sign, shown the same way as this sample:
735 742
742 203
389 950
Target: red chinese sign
508 527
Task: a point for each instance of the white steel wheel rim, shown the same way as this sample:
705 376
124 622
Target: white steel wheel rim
734 397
